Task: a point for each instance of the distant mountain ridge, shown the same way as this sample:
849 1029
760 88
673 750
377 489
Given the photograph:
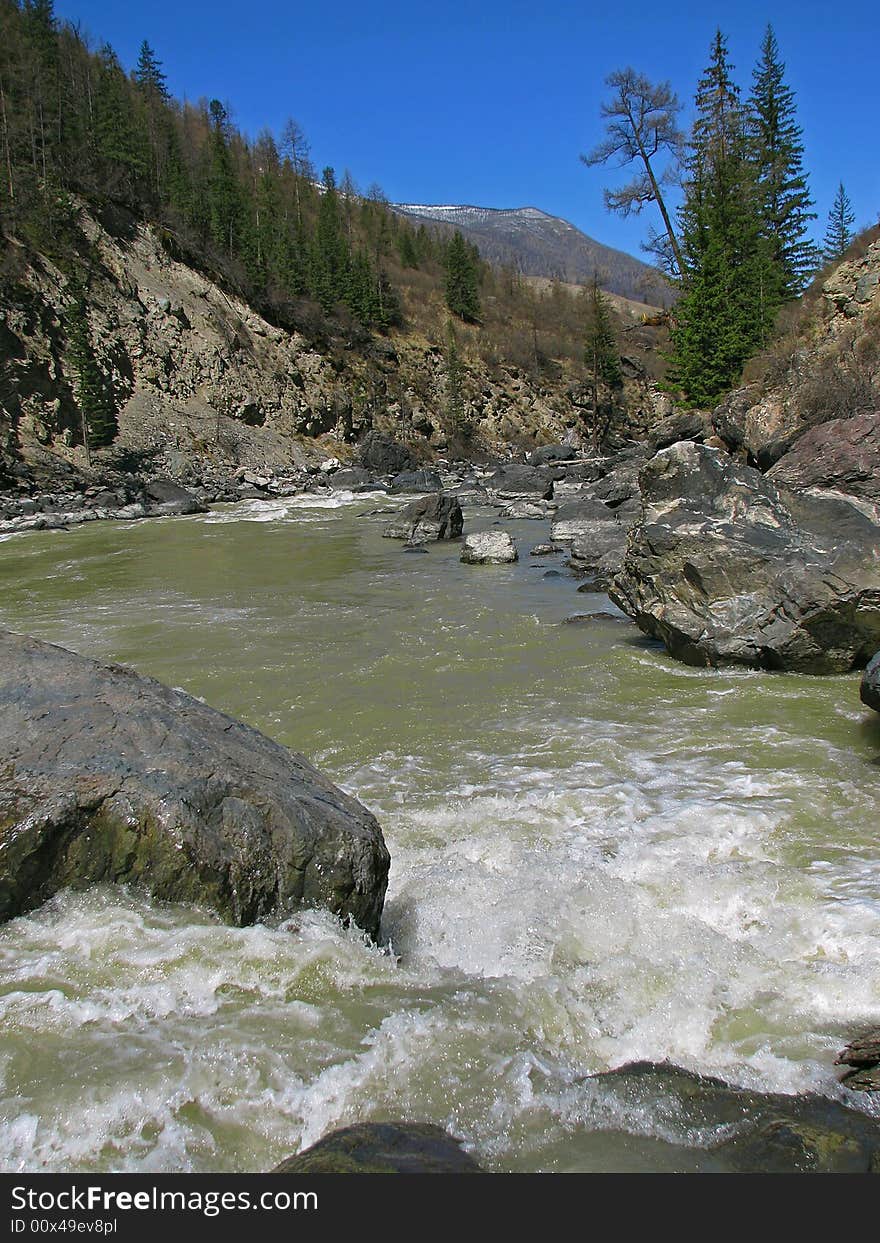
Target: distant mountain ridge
538 244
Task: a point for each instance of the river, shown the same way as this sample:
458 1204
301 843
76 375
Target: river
598 855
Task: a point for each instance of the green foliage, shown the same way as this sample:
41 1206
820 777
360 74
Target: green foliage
838 234
454 394
777 153
735 282
462 279
90 387
602 361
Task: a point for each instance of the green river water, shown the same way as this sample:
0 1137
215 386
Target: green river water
598 855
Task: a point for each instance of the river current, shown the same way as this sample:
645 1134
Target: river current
598 855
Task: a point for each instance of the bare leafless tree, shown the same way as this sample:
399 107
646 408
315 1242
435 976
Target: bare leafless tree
642 127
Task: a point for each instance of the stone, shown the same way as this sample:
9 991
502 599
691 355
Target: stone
580 517
546 455
433 517
869 691
843 454
107 776
744 1131
384 456
489 548
383 1148
727 568
519 483
417 481
683 425
864 1051
534 510
544 550
164 497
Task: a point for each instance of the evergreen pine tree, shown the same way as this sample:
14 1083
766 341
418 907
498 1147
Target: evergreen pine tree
733 285
838 234
777 152
330 258
223 196
148 74
121 145
462 280
90 387
602 360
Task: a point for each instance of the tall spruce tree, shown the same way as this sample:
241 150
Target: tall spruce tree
732 289
838 234
602 361
462 279
91 390
777 152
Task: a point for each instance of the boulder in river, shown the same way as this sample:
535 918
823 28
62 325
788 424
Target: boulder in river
433 517
489 548
727 568
740 1130
383 1148
520 483
107 776
423 480
870 688
384 456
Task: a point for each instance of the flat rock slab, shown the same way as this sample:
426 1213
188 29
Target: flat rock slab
727 568
109 776
383 1148
489 548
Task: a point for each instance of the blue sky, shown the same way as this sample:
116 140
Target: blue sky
491 103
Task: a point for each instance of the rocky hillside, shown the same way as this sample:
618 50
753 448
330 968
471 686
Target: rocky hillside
810 416
202 382
538 244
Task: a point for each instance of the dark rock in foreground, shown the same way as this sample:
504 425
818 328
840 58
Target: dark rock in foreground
754 1132
432 517
727 568
109 776
869 692
383 1148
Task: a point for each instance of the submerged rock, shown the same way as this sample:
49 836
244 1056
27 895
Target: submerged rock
725 567
109 776
489 548
869 692
383 1148
432 517
746 1131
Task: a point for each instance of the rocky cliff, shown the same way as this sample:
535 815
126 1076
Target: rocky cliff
203 383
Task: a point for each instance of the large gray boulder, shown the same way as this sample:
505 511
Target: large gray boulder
725 567
489 548
423 480
432 517
520 483
843 454
109 776
869 691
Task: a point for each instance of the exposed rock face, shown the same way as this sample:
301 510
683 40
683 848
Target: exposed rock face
863 1054
843 454
489 548
383 1148
870 688
109 776
727 568
829 372
756 1132
432 517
